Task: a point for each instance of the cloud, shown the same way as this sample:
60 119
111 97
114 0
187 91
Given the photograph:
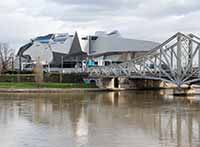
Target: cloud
142 8
91 3
141 19
152 8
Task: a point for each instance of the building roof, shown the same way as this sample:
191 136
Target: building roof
24 48
118 44
62 43
50 47
75 46
103 42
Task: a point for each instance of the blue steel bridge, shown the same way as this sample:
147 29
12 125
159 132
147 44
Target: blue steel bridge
177 61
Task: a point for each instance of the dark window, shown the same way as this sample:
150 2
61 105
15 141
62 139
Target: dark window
47 37
94 38
116 62
92 82
60 39
29 66
69 64
66 64
116 83
72 64
84 38
107 63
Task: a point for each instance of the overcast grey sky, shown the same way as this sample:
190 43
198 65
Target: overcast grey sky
154 20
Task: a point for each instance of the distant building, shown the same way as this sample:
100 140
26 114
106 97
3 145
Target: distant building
67 51
54 50
113 47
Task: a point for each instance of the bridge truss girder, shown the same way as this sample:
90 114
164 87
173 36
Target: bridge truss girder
177 60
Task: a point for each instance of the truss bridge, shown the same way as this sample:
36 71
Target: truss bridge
177 61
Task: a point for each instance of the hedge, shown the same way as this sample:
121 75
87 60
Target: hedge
17 78
48 77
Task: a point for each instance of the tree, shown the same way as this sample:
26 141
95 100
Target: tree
6 57
38 70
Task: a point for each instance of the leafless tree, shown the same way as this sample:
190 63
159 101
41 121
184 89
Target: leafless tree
6 57
38 70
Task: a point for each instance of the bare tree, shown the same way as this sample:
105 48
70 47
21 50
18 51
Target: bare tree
38 70
6 57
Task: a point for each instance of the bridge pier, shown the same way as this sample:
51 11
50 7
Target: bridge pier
184 91
108 83
121 83
128 83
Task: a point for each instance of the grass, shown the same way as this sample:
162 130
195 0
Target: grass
44 85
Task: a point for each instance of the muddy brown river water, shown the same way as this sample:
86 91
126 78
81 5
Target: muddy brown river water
101 119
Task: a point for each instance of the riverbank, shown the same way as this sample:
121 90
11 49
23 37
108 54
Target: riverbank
51 90
32 85
7 87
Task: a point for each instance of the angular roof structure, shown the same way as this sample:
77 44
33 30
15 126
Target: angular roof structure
51 47
103 42
75 46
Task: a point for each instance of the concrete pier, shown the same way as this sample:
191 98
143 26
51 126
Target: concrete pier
130 83
184 91
123 83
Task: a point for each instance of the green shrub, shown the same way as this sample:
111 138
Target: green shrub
17 78
65 78
48 77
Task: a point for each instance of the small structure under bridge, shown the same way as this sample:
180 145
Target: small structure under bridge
175 61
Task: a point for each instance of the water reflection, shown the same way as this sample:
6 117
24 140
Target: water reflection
139 118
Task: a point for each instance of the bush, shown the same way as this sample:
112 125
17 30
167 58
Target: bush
65 78
48 77
17 78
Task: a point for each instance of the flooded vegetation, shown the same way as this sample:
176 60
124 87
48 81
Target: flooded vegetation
103 119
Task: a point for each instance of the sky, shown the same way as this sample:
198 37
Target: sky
155 20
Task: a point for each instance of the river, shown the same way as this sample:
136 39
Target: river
100 119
